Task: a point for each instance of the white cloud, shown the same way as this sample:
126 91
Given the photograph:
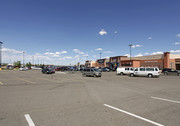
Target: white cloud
92 51
138 55
115 32
63 52
102 32
177 43
98 49
107 57
128 55
149 38
135 46
13 51
85 55
76 56
178 35
107 52
64 58
56 54
175 51
77 51
156 53
146 53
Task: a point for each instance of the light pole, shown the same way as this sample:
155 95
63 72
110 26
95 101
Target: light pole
0 53
100 59
23 60
130 52
33 60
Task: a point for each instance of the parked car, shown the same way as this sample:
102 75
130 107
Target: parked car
105 69
114 69
91 72
58 69
168 71
100 69
36 68
145 71
124 70
47 71
23 69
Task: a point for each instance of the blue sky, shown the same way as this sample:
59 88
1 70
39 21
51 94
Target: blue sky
68 31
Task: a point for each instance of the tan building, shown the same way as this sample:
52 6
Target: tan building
102 63
90 63
165 60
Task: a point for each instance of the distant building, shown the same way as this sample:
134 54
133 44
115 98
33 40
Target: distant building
90 63
102 63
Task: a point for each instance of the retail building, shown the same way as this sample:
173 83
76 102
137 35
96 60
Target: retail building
165 60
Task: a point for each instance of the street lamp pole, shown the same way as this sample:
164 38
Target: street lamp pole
33 60
23 59
100 58
130 52
100 54
1 53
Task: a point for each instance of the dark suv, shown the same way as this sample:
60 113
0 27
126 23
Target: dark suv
169 71
47 71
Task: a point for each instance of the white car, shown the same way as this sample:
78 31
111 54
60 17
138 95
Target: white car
124 70
23 69
145 71
36 68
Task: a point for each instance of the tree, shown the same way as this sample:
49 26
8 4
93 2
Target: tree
17 64
28 64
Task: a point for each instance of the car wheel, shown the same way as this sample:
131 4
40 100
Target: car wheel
121 73
178 74
95 75
165 73
131 75
150 75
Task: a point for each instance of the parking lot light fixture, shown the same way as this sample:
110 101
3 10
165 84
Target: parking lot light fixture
0 53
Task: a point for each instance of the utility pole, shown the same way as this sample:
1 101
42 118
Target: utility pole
100 58
1 54
130 52
100 54
33 60
23 59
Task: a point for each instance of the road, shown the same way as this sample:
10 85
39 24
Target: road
29 98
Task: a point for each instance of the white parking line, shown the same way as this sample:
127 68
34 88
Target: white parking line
29 120
26 80
1 83
166 100
131 114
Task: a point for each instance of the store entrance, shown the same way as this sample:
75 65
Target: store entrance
177 66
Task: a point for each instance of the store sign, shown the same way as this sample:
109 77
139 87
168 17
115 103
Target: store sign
101 61
151 61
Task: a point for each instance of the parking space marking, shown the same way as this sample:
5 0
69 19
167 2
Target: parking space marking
26 80
1 83
136 116
29 120
166 100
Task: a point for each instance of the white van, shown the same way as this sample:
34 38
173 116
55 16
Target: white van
145 71
124 70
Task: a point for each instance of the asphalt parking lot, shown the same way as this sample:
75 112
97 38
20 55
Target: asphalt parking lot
29 98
